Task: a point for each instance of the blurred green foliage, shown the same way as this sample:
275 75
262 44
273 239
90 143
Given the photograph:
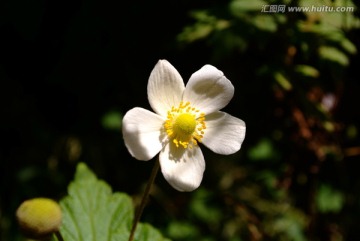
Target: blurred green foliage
69 70
329 200
112 120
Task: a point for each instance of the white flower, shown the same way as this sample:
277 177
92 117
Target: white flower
184 117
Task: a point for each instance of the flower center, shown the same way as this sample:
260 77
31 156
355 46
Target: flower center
185 125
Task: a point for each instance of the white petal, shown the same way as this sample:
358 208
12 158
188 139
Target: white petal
224 133
182 168
142 133
208 90
165 87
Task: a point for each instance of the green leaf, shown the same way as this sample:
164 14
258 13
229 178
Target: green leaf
237 6
112 120
329 199
145 232
348 46
283 81
307 70
334 55
265 23
201 207
263 150
339 20
182 230
206 24
91 211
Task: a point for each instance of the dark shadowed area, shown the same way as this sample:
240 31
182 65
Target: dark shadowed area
69 71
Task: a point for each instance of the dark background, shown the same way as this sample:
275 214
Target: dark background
68 66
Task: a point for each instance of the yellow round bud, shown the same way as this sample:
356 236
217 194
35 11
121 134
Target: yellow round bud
39 217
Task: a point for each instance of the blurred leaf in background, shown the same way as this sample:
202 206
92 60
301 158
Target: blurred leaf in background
69 70
296 135
329 200
112 120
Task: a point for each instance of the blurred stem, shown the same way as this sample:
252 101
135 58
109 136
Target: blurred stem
58 236
144 198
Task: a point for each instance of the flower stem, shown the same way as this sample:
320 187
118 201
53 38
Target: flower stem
58 236
144 199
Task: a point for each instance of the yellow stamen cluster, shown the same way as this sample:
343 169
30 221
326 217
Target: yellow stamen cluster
185 125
